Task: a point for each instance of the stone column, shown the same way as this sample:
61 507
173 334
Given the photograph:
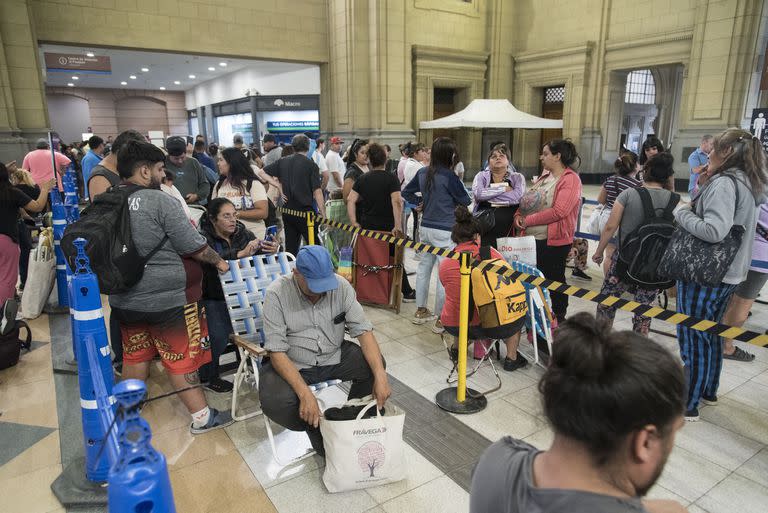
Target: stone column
23 116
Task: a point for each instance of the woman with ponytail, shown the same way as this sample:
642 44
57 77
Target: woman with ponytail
625 178
731 190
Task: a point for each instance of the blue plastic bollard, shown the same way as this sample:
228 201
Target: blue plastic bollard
69 182
94 369
59 225
139 481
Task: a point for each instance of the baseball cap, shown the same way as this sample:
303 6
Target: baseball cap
336 140
176 145
314 263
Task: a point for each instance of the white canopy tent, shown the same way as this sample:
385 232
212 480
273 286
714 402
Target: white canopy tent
491 114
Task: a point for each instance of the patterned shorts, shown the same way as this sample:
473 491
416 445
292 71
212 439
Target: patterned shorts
178 335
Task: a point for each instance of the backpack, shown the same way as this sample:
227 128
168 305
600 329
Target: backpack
500 300
11 344
106 225
641 251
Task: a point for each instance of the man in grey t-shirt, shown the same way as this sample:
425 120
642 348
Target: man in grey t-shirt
189 175
161 314
614 401
272 152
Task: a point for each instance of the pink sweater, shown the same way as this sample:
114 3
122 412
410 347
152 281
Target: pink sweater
561 217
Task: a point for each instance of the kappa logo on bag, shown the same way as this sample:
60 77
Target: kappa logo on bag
500 300
106 225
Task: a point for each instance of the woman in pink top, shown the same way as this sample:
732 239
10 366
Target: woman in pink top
549 212
466 235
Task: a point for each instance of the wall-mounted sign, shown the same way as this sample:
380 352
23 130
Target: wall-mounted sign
758 125
265 103
67 63
293 126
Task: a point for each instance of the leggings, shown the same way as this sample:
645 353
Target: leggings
551 262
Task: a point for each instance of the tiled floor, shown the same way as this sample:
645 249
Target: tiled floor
719 465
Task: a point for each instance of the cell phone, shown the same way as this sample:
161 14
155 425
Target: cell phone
271 232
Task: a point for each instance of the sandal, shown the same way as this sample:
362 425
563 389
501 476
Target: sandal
739 355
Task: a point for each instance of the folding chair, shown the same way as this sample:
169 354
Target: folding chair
539 321
485 359
244 288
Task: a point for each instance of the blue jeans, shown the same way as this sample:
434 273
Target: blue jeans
440 239
219 329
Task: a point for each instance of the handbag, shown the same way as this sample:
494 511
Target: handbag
486 218
690 259
11 345
364 452
522 249
593 223
41 276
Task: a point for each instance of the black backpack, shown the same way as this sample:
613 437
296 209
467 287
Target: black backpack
106 225
641 251
11 345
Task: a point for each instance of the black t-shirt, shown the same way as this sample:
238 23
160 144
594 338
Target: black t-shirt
33 191
376 188
299 177
11 200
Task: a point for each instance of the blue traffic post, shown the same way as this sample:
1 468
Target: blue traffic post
69 182
59 211
94 369
139 481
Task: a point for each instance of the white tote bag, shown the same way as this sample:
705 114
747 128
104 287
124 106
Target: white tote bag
522 249
41 278
362 453
593 223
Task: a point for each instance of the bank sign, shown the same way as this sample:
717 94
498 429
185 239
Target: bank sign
293 126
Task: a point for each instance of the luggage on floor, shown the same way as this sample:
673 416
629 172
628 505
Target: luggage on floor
11 345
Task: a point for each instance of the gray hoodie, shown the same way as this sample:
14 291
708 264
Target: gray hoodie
716 212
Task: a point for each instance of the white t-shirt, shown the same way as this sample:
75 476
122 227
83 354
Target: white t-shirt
173 191
245 202
335 165
412 167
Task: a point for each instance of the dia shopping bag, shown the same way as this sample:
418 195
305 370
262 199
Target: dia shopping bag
522 249
362 453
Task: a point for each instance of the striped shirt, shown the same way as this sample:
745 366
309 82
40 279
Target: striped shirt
616 184
311 334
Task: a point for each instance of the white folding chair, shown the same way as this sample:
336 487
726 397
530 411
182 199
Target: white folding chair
244 288
539 306
485 360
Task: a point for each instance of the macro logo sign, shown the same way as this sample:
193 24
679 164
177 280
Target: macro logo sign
279 102
370 456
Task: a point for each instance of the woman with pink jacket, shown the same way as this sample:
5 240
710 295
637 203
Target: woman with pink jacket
549 211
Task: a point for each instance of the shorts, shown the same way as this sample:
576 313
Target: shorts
179 335
752 285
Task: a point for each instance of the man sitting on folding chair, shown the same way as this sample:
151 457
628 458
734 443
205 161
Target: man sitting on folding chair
305 316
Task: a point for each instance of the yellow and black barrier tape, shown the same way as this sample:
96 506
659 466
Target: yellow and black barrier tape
654 312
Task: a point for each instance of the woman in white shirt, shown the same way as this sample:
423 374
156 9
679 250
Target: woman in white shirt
240 185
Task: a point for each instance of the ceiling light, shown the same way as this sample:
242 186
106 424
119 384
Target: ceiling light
123 83
191 76
89 54
75 78
177 82
71 84
162 88
211 68
144 70
223 64
132 77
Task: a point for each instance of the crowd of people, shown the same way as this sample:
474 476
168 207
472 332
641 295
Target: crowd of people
195 206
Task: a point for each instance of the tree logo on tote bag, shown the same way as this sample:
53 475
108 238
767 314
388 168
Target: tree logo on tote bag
370 456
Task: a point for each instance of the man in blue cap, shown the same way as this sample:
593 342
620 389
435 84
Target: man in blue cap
305 316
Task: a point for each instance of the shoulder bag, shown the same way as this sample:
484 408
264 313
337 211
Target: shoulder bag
693 260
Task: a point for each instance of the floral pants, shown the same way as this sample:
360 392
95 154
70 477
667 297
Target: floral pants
613 286
578 254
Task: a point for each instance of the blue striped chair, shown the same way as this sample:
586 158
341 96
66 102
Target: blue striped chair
537 323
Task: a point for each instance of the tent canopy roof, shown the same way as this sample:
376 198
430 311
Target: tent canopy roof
491 114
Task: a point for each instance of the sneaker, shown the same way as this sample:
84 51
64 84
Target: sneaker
518 363
692 415
410 297
578 273
219 386
423 315
709 400
218 420
8 321
739 355
438 327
